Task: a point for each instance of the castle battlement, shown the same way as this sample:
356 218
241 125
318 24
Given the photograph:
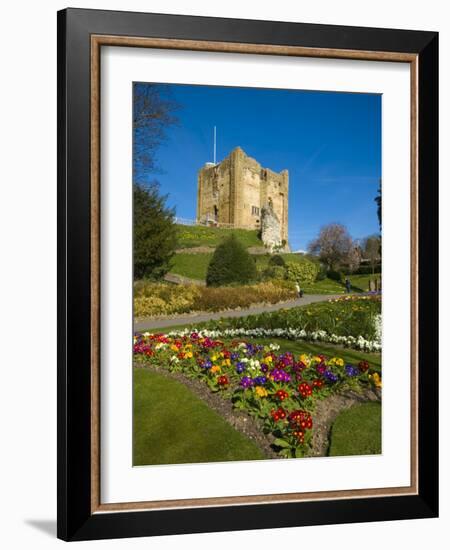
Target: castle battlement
237 191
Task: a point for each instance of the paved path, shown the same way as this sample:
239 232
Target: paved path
152 322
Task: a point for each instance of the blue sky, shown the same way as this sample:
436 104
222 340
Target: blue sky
330 143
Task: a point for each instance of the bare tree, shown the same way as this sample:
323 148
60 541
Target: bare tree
354 258
333 245
372 250
153 113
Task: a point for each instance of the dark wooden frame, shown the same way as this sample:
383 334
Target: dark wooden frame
81 33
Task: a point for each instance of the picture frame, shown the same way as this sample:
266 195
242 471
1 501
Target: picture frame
81 35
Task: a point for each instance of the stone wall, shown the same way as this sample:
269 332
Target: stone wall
270 229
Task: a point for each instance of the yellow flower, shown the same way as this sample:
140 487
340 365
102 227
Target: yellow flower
305 359
215 369
268 359
317 359
214 358
189 355
261 392
173 347
226 363
375 377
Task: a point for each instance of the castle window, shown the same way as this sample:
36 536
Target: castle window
255 211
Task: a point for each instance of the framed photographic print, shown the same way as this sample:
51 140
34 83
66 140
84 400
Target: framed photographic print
247 274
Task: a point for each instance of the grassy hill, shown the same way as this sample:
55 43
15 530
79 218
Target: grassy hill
191 236
195 266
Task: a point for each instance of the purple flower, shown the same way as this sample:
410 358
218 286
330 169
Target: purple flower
351 370
246 382
298 367
264 367
279 375
321 368
259 380
234 356
207 364
330 376
240 368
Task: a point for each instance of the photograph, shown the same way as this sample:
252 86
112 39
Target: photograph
257 273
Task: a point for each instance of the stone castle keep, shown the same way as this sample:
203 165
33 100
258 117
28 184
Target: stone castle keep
238 192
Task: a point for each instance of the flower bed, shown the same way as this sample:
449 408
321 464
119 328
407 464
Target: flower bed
354 342
279 389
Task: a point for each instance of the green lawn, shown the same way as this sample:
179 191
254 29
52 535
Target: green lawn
360 283
357 431
191 236
193 266
173 426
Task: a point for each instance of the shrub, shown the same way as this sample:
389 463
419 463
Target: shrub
163 299
303 271
277 260
152 299
366 270
222 298
274 272
322 273
231 263
334 275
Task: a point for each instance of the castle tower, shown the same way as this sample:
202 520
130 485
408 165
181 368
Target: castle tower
234 192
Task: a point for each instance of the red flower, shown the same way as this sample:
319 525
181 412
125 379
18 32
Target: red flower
281 395
317 384
222 380
279 414
300 435
305 389
363 366
300 420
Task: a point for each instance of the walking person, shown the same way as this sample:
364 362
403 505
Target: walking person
298 290
347 285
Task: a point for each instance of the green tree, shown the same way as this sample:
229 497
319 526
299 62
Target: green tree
378 201
154 232
231 263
